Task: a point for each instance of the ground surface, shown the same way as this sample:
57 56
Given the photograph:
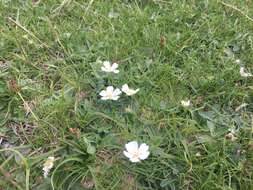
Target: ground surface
172 50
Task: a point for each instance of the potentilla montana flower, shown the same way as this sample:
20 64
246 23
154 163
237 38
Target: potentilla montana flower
186 103
136 153
48 165
110 93
129 92
110 68
243 73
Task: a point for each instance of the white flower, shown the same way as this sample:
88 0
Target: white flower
110 68
136 153
112 14
48 165
154 16
185 103
110 93
129 92
198 154
243 73
237 61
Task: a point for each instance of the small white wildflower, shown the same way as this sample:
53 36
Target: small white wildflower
243 73
110 68
185 103
48 165
136 153
237 61
112 14
129 92
110 93
154 16
198 154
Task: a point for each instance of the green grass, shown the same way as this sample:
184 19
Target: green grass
49 56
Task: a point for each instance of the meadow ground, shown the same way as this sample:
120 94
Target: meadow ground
51 53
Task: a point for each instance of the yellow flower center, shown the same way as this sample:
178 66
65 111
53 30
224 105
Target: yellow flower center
136 154
110 95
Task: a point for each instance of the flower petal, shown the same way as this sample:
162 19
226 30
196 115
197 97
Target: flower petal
107 64
125 88
134 159
115 97
144 155
114 66
109 89
143 147
132 92
116 92
129 92
127 154
103 93
132 147
137 90
104 98
104 69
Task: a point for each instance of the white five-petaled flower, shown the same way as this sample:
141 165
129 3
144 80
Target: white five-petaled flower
110 93
129 92
110 68
243 73
48 165
136 153
185 103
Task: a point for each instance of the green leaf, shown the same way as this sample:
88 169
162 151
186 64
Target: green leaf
91 149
